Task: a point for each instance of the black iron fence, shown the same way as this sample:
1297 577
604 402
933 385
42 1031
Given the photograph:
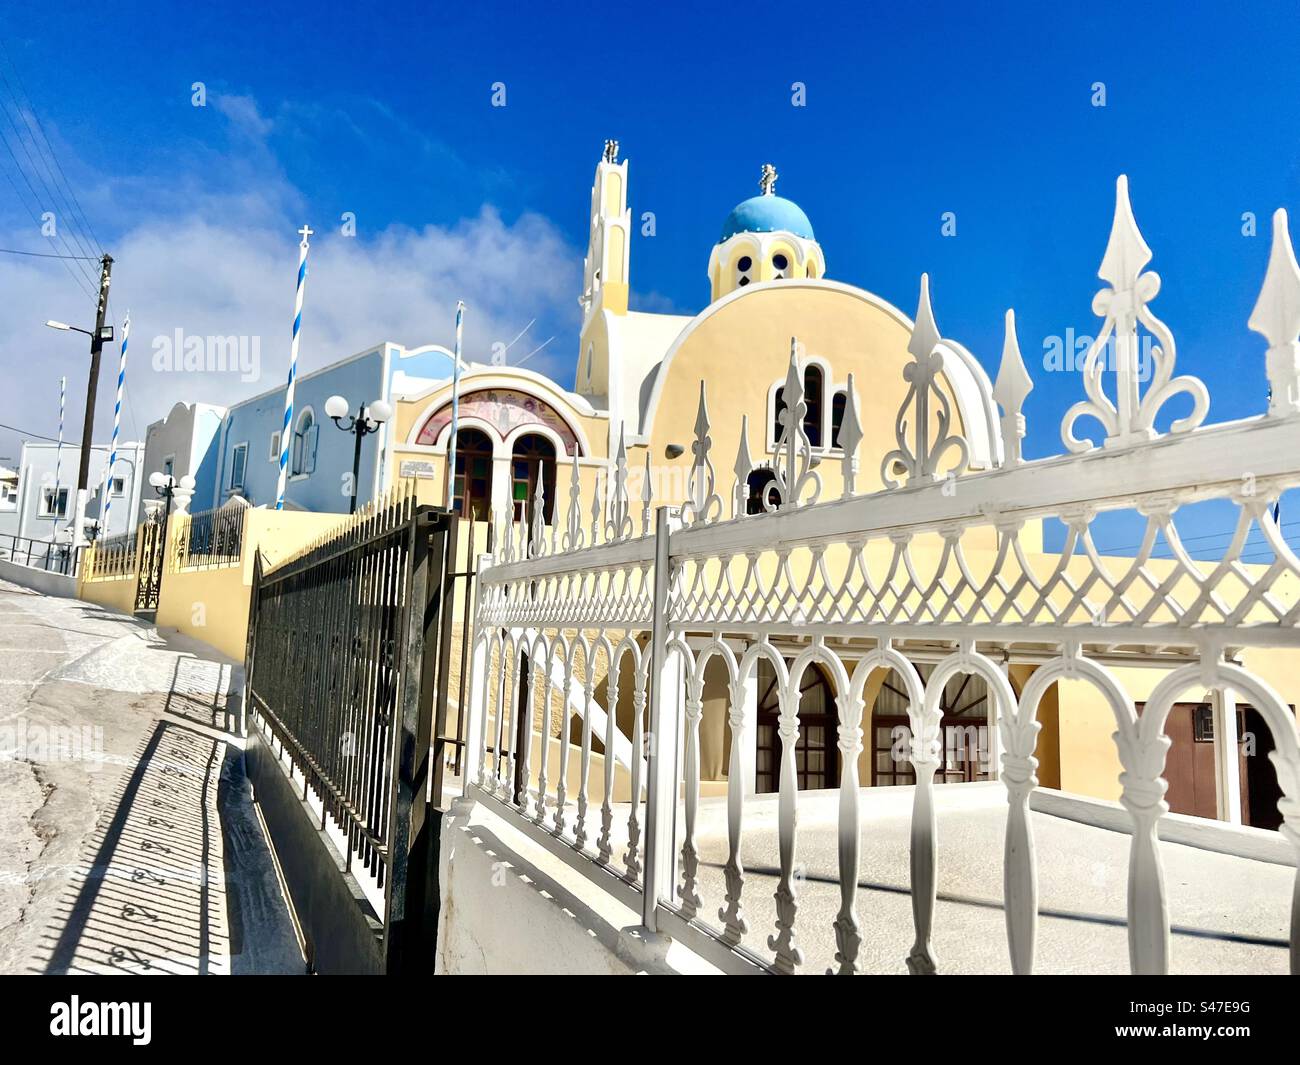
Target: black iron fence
113 557
210 538
348 667
41 554
151 548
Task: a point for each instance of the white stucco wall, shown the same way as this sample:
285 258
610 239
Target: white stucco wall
510 906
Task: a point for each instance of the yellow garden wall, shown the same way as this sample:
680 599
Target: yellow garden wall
116 593
211 603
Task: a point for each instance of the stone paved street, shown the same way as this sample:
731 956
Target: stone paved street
129 841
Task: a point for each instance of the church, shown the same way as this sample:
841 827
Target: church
640 384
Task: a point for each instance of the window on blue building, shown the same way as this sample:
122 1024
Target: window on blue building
303 460
238 465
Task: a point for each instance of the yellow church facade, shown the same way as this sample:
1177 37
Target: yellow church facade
641 382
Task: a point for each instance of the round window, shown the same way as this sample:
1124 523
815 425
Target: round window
744 263
780 261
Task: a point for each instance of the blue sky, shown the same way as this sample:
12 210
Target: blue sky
981 110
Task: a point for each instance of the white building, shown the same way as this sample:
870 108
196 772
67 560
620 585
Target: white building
45 495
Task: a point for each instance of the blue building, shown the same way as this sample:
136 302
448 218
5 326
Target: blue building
242 457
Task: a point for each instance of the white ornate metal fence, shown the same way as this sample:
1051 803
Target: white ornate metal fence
616 595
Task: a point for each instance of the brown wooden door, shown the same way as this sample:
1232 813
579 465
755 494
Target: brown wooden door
1189 766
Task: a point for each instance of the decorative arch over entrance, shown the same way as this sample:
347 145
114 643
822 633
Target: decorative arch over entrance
505 411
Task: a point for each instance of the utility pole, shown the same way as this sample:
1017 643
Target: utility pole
87 434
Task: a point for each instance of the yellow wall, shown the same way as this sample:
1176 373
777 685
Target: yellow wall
116 593
211 603
595 336
742 348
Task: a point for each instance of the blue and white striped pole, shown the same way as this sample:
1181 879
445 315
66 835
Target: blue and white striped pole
107 491
455 409
58 454
286 431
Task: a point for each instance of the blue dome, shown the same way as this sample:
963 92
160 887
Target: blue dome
767 214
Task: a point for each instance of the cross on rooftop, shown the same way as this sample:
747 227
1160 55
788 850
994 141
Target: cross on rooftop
611 151
305 232
767 180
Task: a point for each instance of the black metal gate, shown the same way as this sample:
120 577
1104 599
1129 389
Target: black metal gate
151 547
348 666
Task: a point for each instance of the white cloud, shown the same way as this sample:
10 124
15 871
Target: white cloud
222 261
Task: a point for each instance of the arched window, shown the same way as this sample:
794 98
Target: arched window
534 456
812 396
816 754
780 265
839 403
813 383
472 491
744 270
302 460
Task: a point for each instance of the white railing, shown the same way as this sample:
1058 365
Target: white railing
625 608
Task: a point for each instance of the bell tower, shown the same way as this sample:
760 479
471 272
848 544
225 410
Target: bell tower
605 271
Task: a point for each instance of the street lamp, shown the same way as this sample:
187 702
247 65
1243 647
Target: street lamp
102 334
165 485
105 334
369 419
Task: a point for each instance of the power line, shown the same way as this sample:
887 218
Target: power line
36 197
70 222
50 185
1224 534
49 439
77 278
49 148
48 255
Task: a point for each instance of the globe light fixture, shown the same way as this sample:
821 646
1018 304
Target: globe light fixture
369 418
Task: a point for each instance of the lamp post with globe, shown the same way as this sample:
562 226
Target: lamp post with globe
370 418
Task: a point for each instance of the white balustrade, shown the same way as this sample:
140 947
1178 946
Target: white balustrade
612 605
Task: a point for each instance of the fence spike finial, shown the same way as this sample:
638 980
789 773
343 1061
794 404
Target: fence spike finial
849 439
924 425
702 504
1127 251
1010 390
1130 419
539 514
792 465
744 467
619 519
1276 317
925 332
573 533
647 496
